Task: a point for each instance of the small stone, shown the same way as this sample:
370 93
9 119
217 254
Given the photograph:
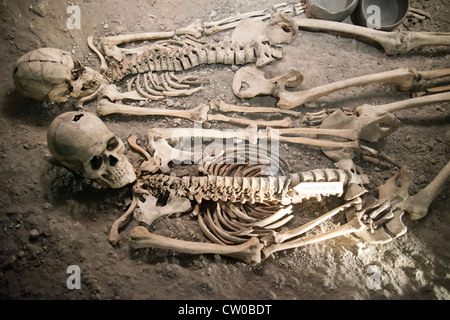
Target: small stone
169 102
422 179
34 234
105 26
206 125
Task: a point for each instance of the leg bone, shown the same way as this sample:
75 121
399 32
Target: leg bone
394 43
418 204
106 107
248 252
355 225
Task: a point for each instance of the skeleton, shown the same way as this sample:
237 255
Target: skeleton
249 210
239 220
171 53
250 207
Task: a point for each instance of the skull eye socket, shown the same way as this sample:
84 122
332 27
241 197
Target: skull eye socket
96 163
112 144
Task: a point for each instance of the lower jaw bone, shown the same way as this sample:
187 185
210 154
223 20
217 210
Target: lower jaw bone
248 252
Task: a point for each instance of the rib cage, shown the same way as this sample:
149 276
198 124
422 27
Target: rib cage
269 190
247 201
183 56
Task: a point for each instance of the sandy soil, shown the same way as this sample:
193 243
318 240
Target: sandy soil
51 219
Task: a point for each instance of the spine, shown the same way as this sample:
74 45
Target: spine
272 190
170 58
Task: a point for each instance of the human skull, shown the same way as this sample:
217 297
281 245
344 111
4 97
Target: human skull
82 143
49 74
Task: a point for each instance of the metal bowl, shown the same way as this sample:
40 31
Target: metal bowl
335 10
392 13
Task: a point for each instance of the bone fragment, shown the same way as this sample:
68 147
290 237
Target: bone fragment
114 232
113 94
404 78
109 45
145 94
401 105
231 22
106 107
224 107
393 43
165 153
318 142
148 211
285 235
249 82
373 123
248 252
355 225
195 29
151 164
418 204
349 134
125 38
249 134
285 123
103 66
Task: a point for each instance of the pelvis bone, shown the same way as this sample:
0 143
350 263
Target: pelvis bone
373 123
249 82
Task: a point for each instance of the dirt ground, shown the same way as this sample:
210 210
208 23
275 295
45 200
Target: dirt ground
51 219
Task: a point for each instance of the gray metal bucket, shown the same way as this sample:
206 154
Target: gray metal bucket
335 10
391 13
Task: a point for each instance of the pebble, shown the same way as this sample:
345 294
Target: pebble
213 14
421 179
34 234
169 102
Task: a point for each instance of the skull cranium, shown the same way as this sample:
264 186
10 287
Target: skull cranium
82 143
49 74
